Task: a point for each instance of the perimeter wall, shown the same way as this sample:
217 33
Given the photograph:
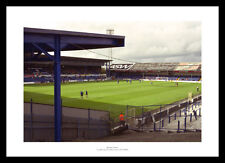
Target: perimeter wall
76 123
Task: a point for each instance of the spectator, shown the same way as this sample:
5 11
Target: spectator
195 114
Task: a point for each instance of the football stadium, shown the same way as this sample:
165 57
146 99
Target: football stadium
78 99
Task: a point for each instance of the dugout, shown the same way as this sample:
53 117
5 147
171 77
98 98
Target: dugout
42 41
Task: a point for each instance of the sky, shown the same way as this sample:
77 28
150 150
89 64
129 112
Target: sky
149 36
147 41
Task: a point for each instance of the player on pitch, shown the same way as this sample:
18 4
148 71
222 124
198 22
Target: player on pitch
86 93
81 94
197 89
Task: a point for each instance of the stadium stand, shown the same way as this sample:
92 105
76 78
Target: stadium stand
120 67
153 66
86 69
72 69
180 71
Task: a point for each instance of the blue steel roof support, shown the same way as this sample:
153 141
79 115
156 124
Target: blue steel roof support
43 51
57 90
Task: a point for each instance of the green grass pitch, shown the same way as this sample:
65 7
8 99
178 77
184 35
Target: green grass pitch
111 96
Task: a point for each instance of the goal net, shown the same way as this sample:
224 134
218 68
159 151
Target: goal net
162 78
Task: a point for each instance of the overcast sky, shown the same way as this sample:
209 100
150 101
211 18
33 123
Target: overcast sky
147 41
150 34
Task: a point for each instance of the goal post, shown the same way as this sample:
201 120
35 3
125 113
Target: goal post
162 78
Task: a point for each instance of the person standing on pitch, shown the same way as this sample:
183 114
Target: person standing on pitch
197 89
86 94
121 118
81 94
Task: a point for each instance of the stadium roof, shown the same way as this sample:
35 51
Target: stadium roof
65 60
68 40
